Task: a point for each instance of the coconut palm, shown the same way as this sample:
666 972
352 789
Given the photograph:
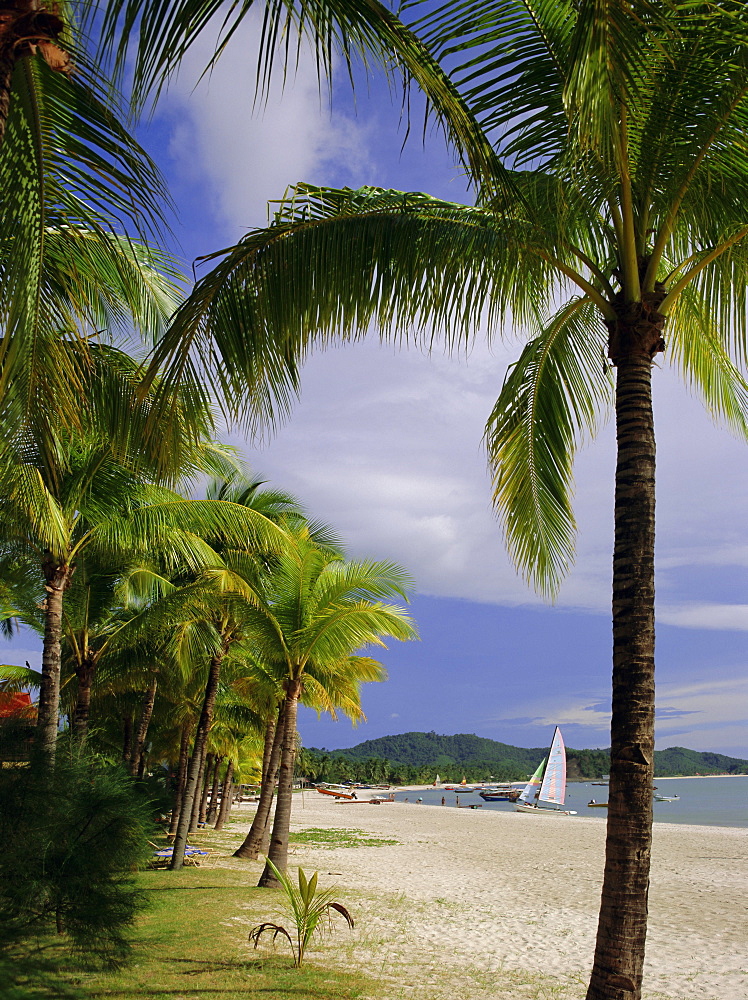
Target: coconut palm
623 216
95 506
203 618
79 199
333 691
306 618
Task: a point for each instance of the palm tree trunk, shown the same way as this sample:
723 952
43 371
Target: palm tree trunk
267 747
201 736
57 580
127 738
19 28
212 812
622 926
278 852
144 720
211 769
85 671
226 796
184 756
198 796
255 839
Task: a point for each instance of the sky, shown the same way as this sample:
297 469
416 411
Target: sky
385 445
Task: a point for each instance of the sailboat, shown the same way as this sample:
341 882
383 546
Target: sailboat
546 789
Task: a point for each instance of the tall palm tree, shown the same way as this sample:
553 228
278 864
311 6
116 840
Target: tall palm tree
620 215
306 618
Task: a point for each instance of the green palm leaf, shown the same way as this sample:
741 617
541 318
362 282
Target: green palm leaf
162 32
553 395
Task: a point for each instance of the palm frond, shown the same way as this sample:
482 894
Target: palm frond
554 393
336 262
162 32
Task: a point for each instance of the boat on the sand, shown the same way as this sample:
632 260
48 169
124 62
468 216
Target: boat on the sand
339 791
546 789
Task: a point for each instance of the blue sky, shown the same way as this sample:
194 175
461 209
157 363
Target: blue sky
386 446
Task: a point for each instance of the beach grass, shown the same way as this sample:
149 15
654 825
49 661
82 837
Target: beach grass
332 837
192 943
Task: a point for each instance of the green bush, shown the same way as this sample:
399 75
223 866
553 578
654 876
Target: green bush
73 833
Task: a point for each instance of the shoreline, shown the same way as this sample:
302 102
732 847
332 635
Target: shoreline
463 902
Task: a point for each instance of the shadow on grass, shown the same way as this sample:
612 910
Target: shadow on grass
192 888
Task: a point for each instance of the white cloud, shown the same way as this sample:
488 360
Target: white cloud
700 715
712 616
706 714
247 157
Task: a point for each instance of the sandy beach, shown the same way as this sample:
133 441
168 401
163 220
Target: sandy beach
476 904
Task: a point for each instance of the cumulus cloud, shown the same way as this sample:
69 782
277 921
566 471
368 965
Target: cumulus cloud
246 153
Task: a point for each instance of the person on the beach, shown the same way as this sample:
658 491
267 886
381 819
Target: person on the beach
443 800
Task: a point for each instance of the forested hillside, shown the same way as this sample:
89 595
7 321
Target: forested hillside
419 757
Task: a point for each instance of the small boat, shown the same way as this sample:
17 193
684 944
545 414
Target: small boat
339 791
508 794
546 789
666 798
596 805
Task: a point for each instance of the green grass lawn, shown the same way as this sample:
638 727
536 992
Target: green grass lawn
192 945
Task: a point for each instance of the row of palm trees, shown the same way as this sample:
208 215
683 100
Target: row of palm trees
138 591
605 144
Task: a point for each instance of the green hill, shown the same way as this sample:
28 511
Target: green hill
419 756
680 760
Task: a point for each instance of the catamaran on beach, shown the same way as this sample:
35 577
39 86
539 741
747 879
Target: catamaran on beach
546 789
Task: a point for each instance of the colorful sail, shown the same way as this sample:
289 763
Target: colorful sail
553 788
528 792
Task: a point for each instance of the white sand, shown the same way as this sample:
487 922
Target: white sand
475 904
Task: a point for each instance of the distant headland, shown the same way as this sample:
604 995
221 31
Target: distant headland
411 758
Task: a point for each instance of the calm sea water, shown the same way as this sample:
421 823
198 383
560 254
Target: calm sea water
703 801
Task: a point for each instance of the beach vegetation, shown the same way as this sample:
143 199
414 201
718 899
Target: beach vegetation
74 835
614 217
332 837
308 905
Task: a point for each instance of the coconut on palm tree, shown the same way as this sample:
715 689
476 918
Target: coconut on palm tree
619 218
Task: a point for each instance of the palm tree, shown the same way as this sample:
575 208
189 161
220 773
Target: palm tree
622 196
305 618
79 199
93 506
330 691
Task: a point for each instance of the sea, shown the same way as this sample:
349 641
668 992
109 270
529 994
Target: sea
703 801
